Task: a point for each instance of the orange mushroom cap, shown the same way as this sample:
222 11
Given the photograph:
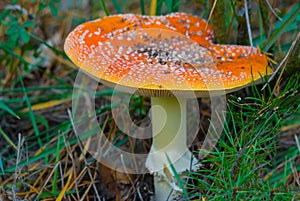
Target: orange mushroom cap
159 56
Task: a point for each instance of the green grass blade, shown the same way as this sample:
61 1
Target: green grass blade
1 165
31 114
11 52
283 26
105 7
159 5
178 179
172 5
7 109
5 136
54 185
56 51
142 6
35 88
117 6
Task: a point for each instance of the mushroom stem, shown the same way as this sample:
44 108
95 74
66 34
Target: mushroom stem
169 123
169 141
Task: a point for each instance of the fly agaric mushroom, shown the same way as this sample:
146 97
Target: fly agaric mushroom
167 58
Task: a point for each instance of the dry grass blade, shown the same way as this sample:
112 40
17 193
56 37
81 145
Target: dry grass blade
211 12
82 150
272 10
297 143
21 140
89 187
153 7
73 162
283 63
62 193
129 178
296 174
294 169
248 22
48 179
45 105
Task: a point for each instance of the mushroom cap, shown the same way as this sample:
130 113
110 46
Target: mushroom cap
162 56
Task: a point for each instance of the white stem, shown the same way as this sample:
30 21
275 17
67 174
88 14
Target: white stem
169 139
169 124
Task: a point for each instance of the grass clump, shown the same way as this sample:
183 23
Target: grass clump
248 162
